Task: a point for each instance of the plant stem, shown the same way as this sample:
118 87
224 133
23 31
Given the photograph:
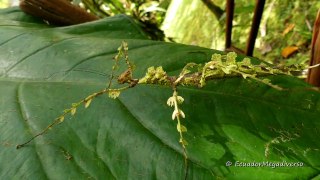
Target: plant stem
67 111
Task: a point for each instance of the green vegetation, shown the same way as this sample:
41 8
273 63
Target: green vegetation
150 13
191 22
4 3
132 137
229 110
284 24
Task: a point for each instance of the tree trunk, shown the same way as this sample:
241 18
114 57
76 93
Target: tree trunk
58 12
314 74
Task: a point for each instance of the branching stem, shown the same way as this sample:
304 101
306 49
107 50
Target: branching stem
71 111
192 74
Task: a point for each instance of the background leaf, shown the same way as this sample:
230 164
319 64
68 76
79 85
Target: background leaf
45 69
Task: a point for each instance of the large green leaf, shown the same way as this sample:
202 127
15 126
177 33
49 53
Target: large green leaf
45 69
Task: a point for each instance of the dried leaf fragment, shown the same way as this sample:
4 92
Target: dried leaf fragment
288 29
61 119
73 111
287 51
87 103
181 128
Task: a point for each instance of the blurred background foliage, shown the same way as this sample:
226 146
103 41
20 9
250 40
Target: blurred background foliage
284 35
8 3
286 26
150 13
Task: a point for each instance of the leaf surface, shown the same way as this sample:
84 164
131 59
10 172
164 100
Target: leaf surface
44 70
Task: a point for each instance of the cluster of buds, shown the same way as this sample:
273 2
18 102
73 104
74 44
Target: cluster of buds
174 101
155 76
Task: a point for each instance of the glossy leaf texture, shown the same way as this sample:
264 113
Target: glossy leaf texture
45 69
